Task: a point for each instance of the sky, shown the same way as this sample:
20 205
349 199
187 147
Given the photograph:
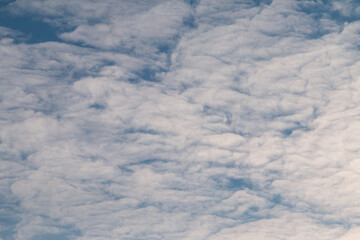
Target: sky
179 119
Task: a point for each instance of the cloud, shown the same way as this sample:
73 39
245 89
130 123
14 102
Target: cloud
160 23
351 234
8 33
289 227
181 120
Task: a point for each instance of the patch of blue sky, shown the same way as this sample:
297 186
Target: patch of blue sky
10 216
346 12
258 2
141 131
323 10
232 184
8 224
190 21
298 127
152 161
148 74
34 29
98 106
193 3
4 3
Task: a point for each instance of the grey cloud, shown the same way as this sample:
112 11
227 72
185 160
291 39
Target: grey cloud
7 35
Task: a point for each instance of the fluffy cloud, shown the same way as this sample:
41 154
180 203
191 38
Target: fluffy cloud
181 120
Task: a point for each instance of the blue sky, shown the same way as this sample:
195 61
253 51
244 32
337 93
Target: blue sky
169 119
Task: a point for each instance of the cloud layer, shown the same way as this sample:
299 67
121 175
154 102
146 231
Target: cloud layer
181 120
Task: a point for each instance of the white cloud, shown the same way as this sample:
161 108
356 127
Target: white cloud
292 227
351 234
159 24
217 120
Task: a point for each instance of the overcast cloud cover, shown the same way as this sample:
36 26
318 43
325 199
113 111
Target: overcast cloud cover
171 119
